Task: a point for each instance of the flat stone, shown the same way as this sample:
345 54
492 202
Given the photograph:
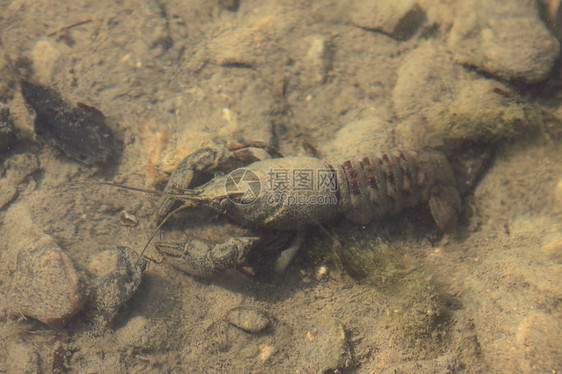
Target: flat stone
329 350
505 38
45 284
248 319
399 19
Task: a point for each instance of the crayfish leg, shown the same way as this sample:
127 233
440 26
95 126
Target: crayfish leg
445 206
286 256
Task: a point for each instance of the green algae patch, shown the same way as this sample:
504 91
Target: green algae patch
417 305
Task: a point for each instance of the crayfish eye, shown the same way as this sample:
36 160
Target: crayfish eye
224 203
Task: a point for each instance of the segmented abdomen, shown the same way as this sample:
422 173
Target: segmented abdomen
384 183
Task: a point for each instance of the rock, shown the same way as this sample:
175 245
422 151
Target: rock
249 45
514 297
239 47
358 138
442 104
426 77
482 110
7 137
128 219
505 38
314 67
329 350
45 284
248 319
399 19
265 352
117 276
80 131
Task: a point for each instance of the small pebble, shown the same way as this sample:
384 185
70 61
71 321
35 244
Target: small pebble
322 273
329 350
313 68
266 351
128 219
248 319
45 284
117 276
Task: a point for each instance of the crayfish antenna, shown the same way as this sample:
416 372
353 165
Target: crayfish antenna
137 189
187 195
157 229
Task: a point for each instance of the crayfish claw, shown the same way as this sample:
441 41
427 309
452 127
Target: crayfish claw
199 259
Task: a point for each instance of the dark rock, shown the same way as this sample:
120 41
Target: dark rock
118 275
79 131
